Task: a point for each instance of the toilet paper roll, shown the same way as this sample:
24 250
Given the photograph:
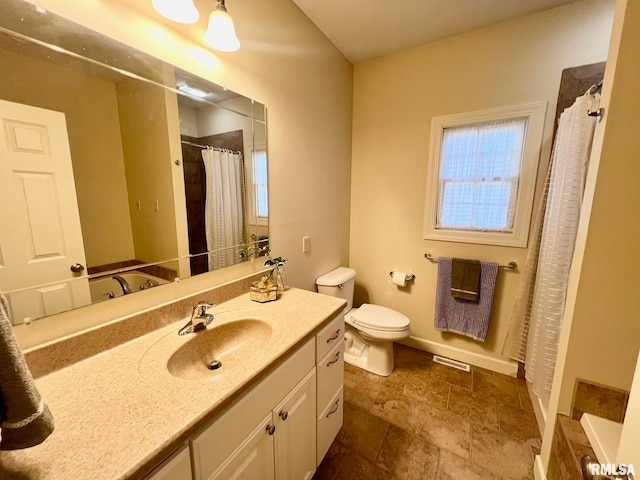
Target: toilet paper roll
399 278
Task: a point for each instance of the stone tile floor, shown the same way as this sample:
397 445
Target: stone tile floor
429 421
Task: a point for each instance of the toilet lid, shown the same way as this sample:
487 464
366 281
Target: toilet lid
380 318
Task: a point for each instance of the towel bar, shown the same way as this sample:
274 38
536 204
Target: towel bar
508 266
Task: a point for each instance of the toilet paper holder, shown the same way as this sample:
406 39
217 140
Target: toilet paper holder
409 277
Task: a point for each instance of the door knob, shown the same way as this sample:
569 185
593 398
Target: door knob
77 268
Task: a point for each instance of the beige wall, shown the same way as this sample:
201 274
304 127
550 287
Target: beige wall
148 164
306 85
395 98
94 138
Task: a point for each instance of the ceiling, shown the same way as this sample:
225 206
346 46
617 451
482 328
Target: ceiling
365 29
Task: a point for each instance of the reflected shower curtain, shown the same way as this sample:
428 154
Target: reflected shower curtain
224 206
538 313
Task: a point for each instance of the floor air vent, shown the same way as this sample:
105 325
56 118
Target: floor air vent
451 363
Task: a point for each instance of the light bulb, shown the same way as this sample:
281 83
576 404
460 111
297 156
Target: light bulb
181 11
221 33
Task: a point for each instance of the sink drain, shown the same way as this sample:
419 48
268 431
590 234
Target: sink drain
214 365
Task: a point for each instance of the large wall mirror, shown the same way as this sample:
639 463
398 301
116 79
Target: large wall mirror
118 172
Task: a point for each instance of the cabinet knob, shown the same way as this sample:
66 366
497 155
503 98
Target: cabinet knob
283 415
271 429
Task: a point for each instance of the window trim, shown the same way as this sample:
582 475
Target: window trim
534 113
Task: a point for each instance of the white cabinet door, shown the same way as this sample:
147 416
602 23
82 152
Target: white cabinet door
295 436
177 467
253 459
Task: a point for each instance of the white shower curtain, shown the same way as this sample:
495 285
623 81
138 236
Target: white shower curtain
224 206
568 173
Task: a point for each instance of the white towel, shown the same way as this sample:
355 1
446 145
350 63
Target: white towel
25 420
465 317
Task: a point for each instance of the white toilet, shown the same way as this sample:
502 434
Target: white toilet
371 329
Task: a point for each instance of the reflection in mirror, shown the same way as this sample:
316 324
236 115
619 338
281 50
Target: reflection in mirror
119 180
226 201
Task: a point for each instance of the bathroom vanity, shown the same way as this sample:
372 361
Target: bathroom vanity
151 408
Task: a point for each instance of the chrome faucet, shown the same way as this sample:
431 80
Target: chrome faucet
126 289
199 318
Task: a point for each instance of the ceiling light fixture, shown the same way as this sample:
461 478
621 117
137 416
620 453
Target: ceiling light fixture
221 33
181 11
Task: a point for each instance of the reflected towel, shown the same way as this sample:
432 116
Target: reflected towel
25 420
465 279
463 316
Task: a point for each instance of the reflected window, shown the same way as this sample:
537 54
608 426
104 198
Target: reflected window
260 186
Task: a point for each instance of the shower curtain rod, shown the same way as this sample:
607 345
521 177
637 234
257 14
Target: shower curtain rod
209 147
194 144
594 88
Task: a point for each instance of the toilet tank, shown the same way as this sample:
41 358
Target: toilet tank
338 283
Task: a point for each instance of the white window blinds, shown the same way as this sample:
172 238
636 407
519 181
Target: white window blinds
479 174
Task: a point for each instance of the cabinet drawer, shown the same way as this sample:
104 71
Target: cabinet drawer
330 375
329 337
329 423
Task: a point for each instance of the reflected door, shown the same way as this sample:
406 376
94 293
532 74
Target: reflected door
40 234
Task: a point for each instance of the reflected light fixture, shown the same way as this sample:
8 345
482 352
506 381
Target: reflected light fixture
196 92
181 11
221 33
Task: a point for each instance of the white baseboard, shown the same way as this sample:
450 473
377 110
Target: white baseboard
538 469
538 409
506 367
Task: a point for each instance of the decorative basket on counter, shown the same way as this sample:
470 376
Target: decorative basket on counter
262 292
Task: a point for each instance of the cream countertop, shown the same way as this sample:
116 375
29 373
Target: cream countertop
120 412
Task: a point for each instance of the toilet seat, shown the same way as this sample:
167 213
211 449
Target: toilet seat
376 317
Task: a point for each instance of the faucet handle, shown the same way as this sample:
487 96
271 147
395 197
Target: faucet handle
200 308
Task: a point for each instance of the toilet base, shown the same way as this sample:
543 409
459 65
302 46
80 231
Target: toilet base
374 357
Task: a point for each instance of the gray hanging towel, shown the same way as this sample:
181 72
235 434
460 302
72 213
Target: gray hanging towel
461 316
465 279
25 420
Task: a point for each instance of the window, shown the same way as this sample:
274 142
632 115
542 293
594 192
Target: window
482 173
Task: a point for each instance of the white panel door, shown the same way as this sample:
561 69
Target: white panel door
40 234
